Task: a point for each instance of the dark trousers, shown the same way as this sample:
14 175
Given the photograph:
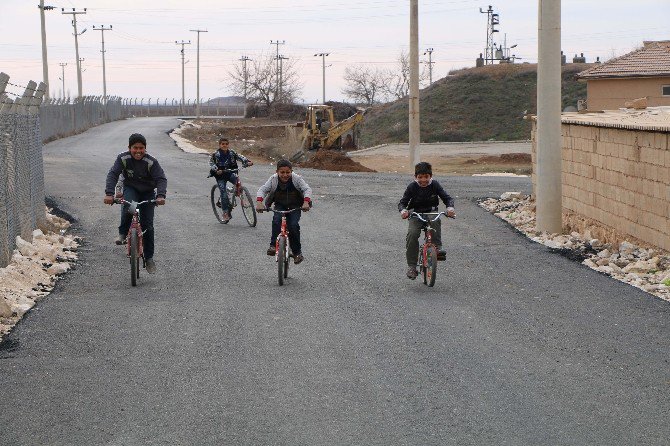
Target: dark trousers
293 228
412 240
221 181
146 217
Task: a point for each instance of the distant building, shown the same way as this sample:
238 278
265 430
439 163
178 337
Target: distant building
644 72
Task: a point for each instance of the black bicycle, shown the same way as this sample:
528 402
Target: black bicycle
236 194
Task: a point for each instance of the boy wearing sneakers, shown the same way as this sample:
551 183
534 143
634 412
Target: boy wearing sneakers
286 190
423 195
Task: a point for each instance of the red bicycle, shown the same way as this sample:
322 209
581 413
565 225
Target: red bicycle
235 193
282 249
428 256
135 238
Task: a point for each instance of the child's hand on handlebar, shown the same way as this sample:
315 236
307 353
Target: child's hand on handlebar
451 212
160 201
404 214
109 199
260 206
305 206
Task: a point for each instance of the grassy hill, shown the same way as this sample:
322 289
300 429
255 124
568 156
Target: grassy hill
473 104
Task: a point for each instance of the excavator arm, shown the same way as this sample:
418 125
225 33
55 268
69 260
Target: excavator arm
340 129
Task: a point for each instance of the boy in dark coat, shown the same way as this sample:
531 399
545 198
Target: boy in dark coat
422 195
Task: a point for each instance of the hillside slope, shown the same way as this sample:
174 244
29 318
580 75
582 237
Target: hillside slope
473 104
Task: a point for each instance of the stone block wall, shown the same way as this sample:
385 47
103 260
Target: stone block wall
618 178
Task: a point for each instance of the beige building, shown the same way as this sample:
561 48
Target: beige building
644 72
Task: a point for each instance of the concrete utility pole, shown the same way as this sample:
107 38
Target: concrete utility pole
197 71
62 66
282 58
429 51
414 123
76 43
323 69
102 30
244 60
45 64
548 189
183 96
277 42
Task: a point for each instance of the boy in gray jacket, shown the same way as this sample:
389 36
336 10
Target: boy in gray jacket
286 190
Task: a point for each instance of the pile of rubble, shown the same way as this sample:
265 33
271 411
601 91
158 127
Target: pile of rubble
34 270
644 268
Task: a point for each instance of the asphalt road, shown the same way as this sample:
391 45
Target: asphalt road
515 344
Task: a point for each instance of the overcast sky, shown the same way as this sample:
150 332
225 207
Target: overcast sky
142 59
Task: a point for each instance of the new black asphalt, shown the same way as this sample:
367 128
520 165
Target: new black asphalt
515 344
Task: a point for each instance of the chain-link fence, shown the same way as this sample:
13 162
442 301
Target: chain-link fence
65 117
21 165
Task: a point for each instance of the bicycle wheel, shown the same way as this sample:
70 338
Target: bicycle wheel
215 197
281 261
134 260
248 207
430 270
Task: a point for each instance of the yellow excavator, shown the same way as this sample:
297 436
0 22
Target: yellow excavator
320 131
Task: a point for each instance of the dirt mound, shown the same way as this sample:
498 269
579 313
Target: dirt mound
505 158
334 160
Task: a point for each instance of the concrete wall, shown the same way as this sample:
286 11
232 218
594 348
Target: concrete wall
619 179
611 94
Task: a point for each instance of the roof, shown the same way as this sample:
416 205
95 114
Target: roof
654 119
652 60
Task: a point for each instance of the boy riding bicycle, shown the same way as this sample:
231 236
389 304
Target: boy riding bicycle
286 190
142 174
422 195
220 161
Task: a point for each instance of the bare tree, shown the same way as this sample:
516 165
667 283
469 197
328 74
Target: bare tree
397 79
363 84
261 80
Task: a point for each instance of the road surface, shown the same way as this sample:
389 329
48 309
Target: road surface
515 344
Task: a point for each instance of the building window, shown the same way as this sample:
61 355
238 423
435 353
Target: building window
665 90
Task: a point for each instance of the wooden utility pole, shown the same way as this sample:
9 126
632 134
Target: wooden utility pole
548 190
197 71
414 123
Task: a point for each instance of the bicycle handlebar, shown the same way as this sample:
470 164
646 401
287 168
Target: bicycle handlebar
212 172
281 212
436 214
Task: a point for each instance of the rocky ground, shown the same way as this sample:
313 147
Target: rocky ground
644 267
34 270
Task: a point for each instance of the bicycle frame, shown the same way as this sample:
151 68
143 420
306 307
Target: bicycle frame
134 208
427 232
283 231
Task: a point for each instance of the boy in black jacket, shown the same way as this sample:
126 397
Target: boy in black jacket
142 174
422 195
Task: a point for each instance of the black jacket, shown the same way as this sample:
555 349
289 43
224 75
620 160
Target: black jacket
144 175
424 199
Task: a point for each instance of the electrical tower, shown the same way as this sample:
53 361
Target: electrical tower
323 68
430 63
62 66
45 64
102 30
492 20
74 13
244 60
277 42
183 98
197 89
281 58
